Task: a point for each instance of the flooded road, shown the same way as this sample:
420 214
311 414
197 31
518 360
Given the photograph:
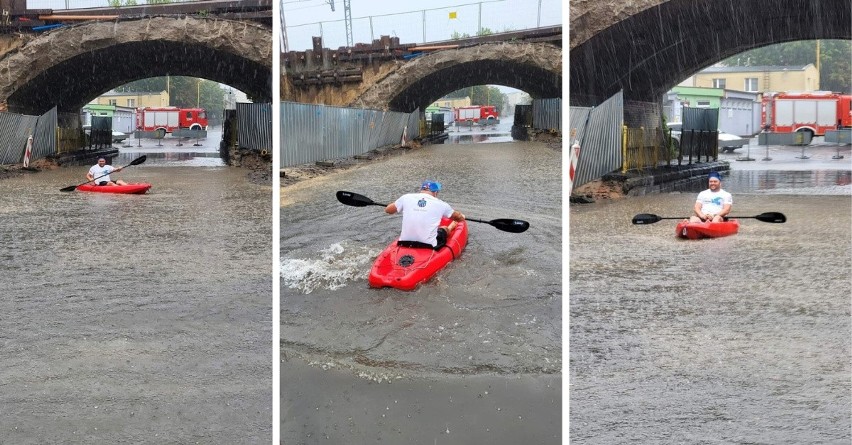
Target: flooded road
744 339
494 312
136 318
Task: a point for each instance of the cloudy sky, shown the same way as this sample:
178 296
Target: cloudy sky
407 20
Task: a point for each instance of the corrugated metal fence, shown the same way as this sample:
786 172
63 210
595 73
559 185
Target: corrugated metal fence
547 114
599 131
311 133
254 126
16 128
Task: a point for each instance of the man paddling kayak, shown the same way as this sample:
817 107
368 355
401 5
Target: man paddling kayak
421 216
712 204
101 171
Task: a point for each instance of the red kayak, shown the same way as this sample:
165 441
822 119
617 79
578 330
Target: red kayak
133 189
691 230
405 267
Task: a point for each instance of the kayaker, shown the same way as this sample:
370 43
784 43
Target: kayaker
101 172
713 204
421 216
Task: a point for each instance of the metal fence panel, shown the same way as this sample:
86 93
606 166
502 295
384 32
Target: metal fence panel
547 114
702 119
311 133
14 131
599 133
254 126
44 136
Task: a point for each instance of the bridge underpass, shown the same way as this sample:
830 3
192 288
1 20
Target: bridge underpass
69 66
404 77
648 46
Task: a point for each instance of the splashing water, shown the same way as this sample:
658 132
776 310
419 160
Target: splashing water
336 266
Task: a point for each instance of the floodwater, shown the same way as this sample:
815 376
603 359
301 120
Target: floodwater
136 318
490 319
480 134
744 339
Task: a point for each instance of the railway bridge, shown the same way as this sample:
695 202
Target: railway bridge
73 56
645 47
388 75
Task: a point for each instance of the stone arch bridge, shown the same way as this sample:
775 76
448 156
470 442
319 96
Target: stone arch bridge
645 47
397 77
69 66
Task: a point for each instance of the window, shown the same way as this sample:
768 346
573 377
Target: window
703 104
718 83
751 84
189 115
131 102
113 102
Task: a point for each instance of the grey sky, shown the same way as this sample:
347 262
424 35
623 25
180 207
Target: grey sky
405 19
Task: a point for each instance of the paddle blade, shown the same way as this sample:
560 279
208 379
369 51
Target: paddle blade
138 160
354 199
772 217
70 188
510 225
646 218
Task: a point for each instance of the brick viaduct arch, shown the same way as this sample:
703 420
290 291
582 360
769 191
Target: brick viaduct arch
69 66
535 68
646 46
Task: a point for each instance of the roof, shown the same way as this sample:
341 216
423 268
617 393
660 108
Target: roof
754 69
115 93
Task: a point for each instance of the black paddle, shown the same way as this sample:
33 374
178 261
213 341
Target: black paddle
136 161
504 224
769 217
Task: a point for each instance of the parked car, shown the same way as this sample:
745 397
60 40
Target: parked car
727 142
118 136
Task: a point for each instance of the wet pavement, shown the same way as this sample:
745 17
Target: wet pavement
136 318
743 339
492 318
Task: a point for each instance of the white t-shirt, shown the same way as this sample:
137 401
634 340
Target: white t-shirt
421 216
97 171
712 203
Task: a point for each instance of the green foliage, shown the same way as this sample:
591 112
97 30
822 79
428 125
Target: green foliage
482 32
835 74
158 2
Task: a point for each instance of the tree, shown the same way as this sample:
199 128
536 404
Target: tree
834 75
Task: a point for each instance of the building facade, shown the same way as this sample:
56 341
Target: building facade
133 100
759 79
739 111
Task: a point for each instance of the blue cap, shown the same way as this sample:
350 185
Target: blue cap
714 175
432 186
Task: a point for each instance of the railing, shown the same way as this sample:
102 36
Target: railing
64 5
643 148
426 25
69 139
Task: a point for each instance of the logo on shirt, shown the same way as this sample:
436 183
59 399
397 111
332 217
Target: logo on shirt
421 203
717 201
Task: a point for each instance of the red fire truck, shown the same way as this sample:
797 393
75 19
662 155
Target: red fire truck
478 114
813 112
169 119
